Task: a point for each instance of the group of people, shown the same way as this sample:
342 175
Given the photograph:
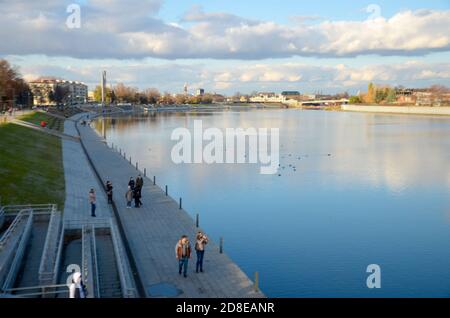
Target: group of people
183 246
134 192
183 252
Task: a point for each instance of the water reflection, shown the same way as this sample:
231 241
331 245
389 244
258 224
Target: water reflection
355 189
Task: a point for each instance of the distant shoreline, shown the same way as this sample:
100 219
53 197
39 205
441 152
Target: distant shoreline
409 110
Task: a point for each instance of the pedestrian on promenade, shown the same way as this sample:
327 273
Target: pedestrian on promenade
139 184
137 197
109 191
202 240
77 289
129 197
183 253
131 183
92 201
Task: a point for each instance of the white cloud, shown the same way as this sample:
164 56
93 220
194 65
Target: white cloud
252 77
132 29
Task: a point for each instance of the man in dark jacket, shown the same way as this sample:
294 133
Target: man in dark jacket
109 191
131 184
139 185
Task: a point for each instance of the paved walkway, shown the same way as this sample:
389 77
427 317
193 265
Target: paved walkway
153 230
80 178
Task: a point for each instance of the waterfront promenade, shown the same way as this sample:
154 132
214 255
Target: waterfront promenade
153 230
80 178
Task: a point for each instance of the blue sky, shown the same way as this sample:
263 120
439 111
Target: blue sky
281 10
229 46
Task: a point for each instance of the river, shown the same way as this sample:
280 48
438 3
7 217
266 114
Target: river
353 189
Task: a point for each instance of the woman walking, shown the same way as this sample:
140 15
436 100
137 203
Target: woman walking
129 197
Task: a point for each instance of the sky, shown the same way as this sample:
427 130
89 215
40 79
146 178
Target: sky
231 46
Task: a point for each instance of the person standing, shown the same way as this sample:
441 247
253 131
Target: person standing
77 289
139 185
137 197
131 183
109 191
129 197
202 240
183 253
92 201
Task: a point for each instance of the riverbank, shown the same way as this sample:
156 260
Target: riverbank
31 169
414 110
153 230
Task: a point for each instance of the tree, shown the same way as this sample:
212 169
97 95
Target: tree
109 95
391 96
167 99
371 93
59 95
152 94
354 100
12 87
207 99
181 99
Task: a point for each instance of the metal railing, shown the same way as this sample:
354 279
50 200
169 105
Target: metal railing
125 276
78 224
11 229
89 270
47 274
42 290
37 208
20 251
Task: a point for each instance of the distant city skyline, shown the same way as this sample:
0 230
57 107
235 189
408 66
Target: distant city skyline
226 47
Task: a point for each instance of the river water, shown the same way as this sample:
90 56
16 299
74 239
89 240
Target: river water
352 190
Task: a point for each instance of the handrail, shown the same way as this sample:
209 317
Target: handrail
37 208
58 256
7 235
126 280
95 269
49 254
20 251
88 270
78 224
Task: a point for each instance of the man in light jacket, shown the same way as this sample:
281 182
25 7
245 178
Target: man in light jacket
183 253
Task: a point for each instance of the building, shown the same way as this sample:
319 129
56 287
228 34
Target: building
266 98
52 92
200 92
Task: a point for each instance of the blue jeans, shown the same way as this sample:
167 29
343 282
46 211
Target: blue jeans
200 255
183 262
92 209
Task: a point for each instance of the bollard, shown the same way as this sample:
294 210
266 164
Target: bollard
124 155
145 172
256 282
181 200
137 165
130 160
154 180
197 220
166 191
221 246
120 151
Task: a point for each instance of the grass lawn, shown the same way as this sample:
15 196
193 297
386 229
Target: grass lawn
31 167
37 117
